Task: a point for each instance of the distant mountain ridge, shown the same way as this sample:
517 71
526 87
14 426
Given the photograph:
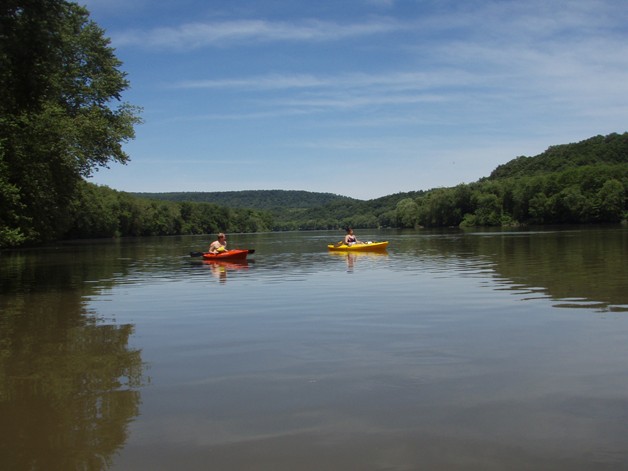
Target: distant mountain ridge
611 149
583 182
264 200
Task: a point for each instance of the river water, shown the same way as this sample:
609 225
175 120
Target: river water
453 350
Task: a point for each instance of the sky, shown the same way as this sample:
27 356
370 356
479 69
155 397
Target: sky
361 98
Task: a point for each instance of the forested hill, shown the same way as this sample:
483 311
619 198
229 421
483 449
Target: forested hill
583 182
611 149
263 200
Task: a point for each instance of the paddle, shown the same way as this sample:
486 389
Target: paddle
200 254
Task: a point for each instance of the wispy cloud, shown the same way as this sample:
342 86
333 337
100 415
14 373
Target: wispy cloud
197 35
304 94
390 81
381 3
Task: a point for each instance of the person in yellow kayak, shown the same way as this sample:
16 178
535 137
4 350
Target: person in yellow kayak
350 238
219 245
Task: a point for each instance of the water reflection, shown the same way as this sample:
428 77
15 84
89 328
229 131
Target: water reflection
69 382
577 268
220 269
417 347
352 258
582 267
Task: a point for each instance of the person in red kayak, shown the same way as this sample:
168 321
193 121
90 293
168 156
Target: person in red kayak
219 245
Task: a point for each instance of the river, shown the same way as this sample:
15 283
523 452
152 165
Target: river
452 350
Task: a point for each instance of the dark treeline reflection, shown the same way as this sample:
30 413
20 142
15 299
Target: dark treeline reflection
576 266
569 265
69 383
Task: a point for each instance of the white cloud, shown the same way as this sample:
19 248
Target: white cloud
397 81
197 35
381 3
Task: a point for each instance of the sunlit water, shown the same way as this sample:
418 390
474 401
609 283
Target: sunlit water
452 350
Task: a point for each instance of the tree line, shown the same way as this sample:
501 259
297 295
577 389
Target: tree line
265 200
99 212
586 195
578 183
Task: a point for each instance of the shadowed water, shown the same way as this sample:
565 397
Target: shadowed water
452 350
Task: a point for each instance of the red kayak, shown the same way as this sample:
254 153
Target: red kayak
236 254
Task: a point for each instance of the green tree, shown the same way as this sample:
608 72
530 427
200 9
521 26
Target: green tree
438 208
10 208
488 209
95 213
407 213
462 198
611 201
388 219
60 113
538 208
131 217
523 191
569 206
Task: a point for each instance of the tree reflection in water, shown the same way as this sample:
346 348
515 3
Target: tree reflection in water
69 383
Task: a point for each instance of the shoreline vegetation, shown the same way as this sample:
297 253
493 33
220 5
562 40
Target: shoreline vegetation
62 118
581 183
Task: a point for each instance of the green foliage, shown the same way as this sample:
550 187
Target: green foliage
582 195
10 219
609 150
487 209
94 212
299 210
610 201
265 200
59 81
438 208
340 213
576 193
586 182
98 211
407 213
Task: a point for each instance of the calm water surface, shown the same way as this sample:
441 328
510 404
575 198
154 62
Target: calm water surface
451 351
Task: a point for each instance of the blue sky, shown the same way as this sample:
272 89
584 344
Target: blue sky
362 98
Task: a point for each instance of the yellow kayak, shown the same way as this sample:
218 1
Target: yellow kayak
365 247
